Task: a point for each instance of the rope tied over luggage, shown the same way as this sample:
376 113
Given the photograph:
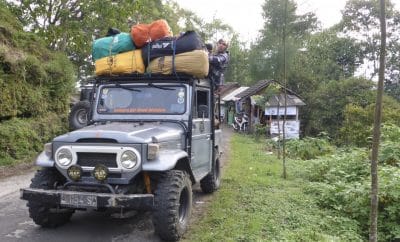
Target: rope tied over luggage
110 59
133 61
110 62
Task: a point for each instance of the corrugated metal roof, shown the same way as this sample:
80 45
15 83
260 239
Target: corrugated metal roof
292 100
232 95
227 88
260 85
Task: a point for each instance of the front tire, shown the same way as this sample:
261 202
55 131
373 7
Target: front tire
173 205
212 181
41 213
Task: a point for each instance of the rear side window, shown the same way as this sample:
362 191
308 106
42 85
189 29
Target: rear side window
202 104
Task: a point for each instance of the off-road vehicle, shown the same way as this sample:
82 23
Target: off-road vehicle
148 140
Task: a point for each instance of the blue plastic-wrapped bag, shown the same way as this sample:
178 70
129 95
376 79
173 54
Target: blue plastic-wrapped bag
112 45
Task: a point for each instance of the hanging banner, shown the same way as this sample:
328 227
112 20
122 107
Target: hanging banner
291 110
292 129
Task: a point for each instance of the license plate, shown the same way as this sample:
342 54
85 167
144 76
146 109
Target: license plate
79 200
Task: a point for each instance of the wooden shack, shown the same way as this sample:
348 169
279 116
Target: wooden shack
271 113
275 111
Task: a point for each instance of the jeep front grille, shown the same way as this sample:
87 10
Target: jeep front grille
92 159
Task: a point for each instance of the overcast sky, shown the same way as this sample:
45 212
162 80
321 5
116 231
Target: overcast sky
245 15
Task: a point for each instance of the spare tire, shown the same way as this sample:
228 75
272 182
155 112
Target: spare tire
78 117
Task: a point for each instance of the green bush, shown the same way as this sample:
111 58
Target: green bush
33 80
326 105
390 132
358 121
342 182
389 151
260 131
308 148
22 138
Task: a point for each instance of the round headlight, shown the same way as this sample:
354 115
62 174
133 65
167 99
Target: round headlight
129 159
64 157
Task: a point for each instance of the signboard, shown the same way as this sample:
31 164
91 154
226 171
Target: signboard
291 110
292 129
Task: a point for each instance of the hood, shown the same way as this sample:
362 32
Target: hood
124 132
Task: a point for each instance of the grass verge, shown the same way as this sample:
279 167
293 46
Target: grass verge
256 204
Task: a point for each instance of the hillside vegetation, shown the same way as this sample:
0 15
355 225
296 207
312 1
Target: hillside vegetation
35 88
256 204
325 198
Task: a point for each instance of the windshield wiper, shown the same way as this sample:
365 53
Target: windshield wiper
127 88
160 87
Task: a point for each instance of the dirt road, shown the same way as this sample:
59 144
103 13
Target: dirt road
15 224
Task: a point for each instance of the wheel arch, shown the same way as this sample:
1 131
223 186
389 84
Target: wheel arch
183 164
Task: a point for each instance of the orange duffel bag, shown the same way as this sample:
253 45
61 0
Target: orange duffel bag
143 33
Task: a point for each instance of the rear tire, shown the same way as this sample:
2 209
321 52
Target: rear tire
173 205
78 117
44 214
212 181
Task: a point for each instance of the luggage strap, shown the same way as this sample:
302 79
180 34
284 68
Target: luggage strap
148 59
173 59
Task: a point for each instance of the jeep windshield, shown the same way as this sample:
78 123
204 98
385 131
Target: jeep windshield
142 99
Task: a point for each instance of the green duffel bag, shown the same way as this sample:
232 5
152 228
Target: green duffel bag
112 45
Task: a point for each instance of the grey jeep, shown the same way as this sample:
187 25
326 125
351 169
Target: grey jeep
148 140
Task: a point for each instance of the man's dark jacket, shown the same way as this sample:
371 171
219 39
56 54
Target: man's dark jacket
218 64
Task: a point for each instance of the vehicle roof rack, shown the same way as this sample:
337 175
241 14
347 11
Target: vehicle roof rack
179 77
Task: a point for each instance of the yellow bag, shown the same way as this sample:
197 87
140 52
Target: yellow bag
193 63
124 63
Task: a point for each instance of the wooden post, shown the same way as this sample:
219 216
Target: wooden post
250 117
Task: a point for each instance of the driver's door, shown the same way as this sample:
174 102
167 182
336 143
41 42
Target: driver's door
201 133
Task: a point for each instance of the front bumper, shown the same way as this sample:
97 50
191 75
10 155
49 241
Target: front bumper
74 199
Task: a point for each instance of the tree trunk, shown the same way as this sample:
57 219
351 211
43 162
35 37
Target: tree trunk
284 175
373 236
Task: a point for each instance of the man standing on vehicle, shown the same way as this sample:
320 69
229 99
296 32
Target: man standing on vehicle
218 63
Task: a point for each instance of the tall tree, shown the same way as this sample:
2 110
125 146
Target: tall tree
238 68
266 57
71 25
361 19
373 236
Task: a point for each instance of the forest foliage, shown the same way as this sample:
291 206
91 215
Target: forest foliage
320 62
36 84
330 68
45 50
